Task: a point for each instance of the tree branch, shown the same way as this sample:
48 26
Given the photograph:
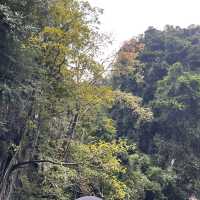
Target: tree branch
18 165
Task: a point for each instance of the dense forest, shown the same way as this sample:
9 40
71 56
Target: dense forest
71 127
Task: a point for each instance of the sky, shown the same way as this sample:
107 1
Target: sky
128 18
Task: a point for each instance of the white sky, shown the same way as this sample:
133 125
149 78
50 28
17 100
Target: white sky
128 18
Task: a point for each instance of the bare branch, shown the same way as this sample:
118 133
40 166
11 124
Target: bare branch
21 164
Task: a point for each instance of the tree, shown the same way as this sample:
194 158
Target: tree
169 85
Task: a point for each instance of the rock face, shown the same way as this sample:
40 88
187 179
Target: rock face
89 198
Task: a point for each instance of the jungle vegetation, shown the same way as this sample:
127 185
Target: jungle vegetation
70 128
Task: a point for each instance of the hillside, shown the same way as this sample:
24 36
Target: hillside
68 128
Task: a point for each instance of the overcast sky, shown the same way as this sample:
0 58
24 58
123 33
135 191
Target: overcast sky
128 18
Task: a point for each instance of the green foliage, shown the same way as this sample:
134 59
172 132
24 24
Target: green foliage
64 133
169 68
